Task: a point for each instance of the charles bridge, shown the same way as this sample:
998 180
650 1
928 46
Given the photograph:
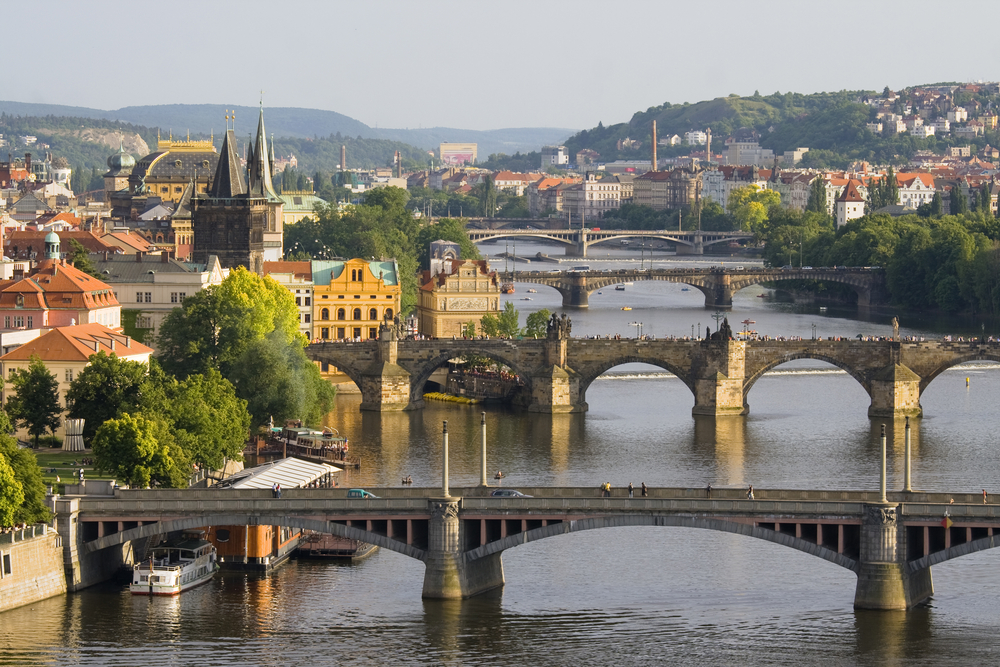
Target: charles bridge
890 541
558 370
578 241
718 284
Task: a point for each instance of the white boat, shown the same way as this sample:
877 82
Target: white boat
532 291
525 298
619 288
174 568
629 282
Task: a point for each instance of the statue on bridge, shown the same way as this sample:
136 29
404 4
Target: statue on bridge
725 332
559 328
390 329
895 329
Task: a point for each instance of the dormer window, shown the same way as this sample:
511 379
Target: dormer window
20 301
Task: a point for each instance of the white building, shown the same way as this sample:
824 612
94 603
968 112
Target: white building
941 126
742 153
923 131
554 156
850 205
591 199
958 115
695 138
915 189
296 277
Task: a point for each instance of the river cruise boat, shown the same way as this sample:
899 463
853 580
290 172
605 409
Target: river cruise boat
619 288
172 569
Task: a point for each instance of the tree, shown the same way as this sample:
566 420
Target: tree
107 386
890 191
80 258
446 229
817 196
958 202
750 205
32 508
504 324
130 447
937 205
488 197
11 494
35 401
536 324
469 330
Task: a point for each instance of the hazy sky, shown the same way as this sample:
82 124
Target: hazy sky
484 65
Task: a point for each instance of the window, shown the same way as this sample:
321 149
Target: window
18 321
173 297
19 301
324 314
30 319
340 333
339 296
341 314
138 297
357 296
357 332
325 333
69 375
6 564
149 297
356 314
372 332
373 314
326 367
388 313
307 318
298 301
182 295
306 301
6 322
222 535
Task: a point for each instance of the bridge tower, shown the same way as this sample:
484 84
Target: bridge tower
719 372
555 387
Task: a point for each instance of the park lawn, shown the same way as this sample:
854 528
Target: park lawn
62 462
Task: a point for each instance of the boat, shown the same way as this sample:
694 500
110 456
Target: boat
532 290
626 307
525 298
600 292
685 289
324 545
507 288
174 568
629 283
619 288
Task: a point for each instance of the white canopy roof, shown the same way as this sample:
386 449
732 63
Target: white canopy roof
289 473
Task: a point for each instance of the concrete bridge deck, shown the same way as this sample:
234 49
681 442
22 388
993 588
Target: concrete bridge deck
717 284
578 241
460 538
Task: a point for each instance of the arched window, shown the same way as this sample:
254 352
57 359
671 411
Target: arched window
354 275
388 313
341 315
357 313
373 314
324 314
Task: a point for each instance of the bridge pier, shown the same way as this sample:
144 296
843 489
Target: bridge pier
555 388
884 582
718 387
895 392
577 296
385 386
447 574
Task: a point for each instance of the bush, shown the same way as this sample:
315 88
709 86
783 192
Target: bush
49 441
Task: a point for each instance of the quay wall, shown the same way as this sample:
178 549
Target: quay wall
31 567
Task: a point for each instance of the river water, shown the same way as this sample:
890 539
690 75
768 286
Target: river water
615 596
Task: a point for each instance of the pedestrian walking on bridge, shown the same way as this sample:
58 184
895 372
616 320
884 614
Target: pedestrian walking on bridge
631 490
750 493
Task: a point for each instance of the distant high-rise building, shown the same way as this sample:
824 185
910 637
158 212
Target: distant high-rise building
554 156
458 154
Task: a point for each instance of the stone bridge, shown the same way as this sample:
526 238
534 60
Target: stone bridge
460 537
717 284
577 241
557 371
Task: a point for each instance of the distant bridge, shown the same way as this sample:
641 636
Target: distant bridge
718 284
460 537
577 241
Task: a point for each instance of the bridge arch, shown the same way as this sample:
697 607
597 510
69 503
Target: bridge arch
618 521
978 355
956 551
804 354
321 352
423 374
191 522
590 373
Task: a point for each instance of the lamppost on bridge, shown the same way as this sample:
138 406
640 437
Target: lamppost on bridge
638 330
814 330
717 316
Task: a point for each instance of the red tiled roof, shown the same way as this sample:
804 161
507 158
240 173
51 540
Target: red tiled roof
298 269
77 343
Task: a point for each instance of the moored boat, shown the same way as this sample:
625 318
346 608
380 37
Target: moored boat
173 568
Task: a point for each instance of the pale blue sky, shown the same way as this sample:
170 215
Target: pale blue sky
484 65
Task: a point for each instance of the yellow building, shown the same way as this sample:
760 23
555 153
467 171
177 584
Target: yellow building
352 298
461 292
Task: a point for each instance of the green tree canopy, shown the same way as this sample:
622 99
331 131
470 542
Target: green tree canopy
35 401
750 205
11 493
107 386
80 258
27 474
133 448
446 229
504 324
536 324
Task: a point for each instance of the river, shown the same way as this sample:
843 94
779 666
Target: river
616 596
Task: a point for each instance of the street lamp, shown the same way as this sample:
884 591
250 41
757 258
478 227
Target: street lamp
638 330
814 331
717 315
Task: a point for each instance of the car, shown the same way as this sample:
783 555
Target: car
360 493
508 493
787 267
740 268
807 268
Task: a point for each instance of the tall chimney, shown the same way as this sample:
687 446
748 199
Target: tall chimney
708 145
654 145
27 162
343 158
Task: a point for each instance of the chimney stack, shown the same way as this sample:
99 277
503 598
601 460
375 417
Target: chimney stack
164 256
343 158
27 162
654 145
708 146
138 256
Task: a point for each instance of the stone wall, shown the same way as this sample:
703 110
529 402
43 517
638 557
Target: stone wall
31 567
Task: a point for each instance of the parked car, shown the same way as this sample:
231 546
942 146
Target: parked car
508 493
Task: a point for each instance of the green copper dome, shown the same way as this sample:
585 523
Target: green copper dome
121 160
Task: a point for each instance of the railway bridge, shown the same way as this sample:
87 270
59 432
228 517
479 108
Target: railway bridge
578 241
890 542
558 370
718 284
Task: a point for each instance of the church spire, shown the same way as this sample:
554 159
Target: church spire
228 181
259 168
